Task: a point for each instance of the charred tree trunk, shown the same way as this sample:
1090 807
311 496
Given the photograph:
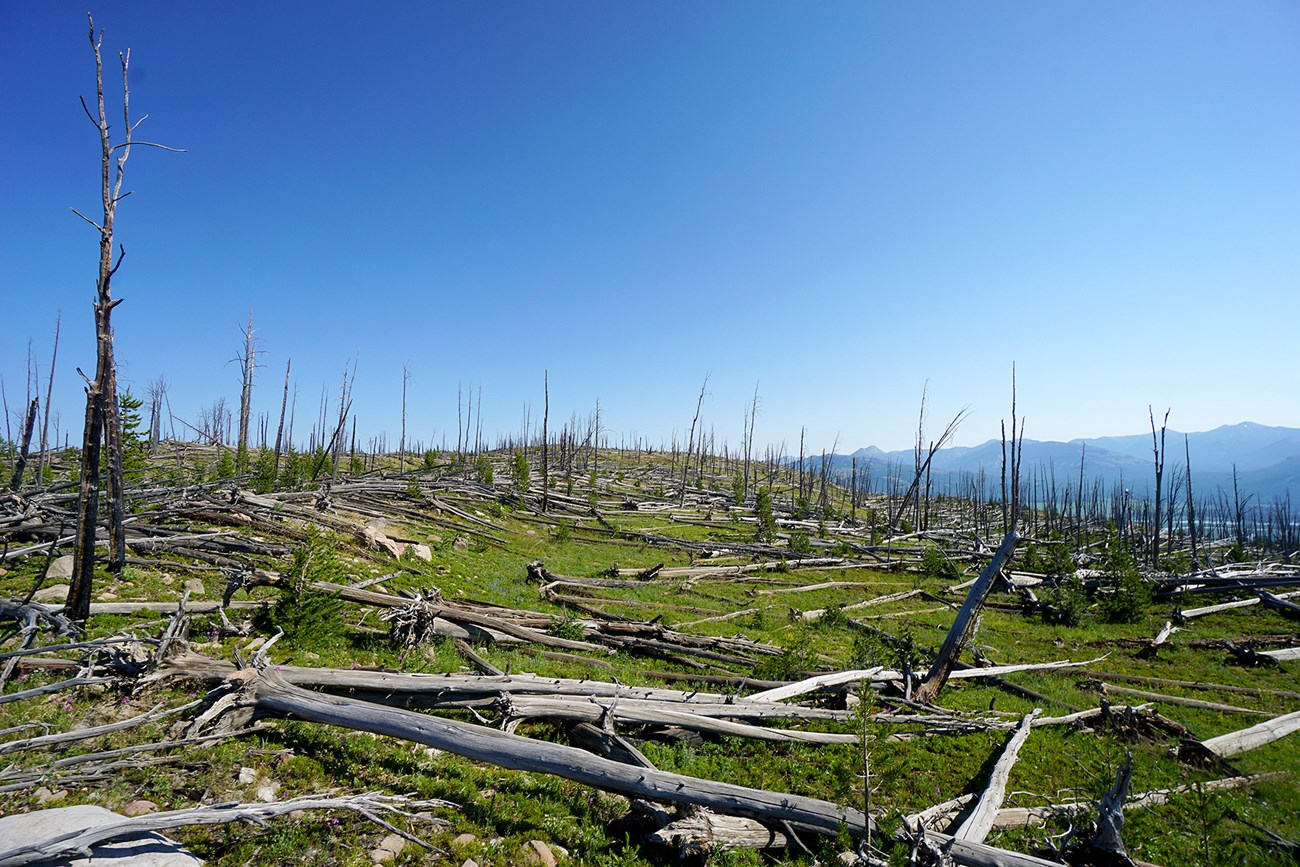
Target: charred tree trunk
284 402
21 464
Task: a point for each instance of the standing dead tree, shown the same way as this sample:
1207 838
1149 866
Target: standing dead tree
1158 453
103 426
20 465
49 394
247 359
690 445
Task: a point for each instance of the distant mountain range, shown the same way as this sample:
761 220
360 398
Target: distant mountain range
1267 460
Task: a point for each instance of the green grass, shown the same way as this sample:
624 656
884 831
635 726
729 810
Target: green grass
505 809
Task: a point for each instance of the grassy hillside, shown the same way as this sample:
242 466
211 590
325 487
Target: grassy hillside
640 551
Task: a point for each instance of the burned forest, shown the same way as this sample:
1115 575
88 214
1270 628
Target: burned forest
225 642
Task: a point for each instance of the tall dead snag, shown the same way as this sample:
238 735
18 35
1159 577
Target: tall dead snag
21 464
962 627
546 416
247 365
690 445
923 465
49 394
1158 453
284 403
1191 505
103 426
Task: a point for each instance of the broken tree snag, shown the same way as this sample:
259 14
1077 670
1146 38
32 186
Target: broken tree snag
960 632
980 822
1108 841
271 695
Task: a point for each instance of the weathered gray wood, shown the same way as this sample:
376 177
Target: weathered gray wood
980 822
271 694
946 659
1243 740
705 832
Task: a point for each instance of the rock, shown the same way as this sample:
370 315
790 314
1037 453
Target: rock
247 776
167 579
56 593
107 596
537 852
194 586
380 542
461 543
470 862
266 794
423 552
139 807
389 848
140 850
61 567
45 796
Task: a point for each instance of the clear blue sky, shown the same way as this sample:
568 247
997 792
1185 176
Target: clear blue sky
837 202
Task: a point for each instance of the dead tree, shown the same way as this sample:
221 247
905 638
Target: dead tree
20 465
401 444
964 623
546 416
247 365
49 394
1011 508
102 422
1158 453
279 431
1191 504
690 445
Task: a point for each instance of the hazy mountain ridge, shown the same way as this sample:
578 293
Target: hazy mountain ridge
1267 459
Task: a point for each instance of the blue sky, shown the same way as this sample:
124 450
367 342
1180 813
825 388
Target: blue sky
838 202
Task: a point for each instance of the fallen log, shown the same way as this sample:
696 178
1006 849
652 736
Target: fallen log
980 822
1260 735
266 693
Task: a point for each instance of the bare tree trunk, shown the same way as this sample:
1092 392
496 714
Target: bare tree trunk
21 464
546 417
247 364
113 453
964 623
49 394
1158 453
401 445
690 446
1191 505
101 393
279 431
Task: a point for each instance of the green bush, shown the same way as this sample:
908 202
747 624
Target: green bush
935 565
766 531
264 473
1130 596
521 473
800 543
431 459
483 469
1065 604
311 617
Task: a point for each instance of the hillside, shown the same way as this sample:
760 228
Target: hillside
425 611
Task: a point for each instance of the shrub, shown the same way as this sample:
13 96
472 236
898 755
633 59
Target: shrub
264 475
935 565
431 459
1130 596
766 531
309 616
520 472
483 469
800 543
1065 604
